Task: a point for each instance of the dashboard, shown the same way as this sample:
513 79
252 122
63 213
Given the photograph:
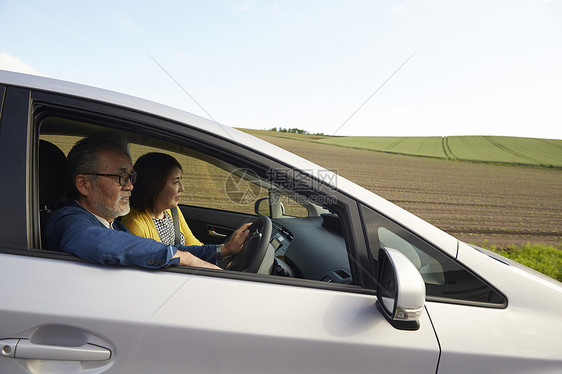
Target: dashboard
310 248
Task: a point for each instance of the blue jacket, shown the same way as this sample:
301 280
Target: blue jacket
73 229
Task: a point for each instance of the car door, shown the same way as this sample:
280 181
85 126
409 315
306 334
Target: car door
61 314
151 321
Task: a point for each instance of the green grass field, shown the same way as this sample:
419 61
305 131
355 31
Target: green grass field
491 149
544 259
487 149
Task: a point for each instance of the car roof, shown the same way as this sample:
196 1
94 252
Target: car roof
339 183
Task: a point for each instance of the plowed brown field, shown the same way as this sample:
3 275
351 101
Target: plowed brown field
477 203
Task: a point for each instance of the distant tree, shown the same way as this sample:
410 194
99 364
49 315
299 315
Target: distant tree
295 130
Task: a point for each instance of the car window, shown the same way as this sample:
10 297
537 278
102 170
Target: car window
308 235
444 278
207 185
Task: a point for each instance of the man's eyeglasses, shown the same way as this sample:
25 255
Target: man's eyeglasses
124 177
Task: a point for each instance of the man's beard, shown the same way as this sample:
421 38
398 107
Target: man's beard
114 211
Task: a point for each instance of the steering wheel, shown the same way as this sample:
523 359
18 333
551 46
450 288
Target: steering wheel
253 252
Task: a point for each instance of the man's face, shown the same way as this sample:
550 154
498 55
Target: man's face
107 198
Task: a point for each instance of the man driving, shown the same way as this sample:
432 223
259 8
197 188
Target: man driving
100 179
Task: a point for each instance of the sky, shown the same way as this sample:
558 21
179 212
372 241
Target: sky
354 67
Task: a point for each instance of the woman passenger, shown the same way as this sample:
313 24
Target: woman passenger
157 190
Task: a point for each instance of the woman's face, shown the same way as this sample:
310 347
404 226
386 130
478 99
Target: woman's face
170 195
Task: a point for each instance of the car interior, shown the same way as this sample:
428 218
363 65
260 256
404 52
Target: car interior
306 239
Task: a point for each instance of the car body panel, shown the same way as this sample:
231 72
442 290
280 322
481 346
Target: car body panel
208 324
488 340
514 339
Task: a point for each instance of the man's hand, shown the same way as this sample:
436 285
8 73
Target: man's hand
189 259
236 241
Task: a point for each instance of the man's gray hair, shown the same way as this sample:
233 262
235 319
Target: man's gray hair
84 156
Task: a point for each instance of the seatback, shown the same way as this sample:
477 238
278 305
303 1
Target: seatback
51 181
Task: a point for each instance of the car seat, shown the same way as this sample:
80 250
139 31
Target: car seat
51 181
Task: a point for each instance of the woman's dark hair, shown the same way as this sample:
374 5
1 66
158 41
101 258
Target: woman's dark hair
153 170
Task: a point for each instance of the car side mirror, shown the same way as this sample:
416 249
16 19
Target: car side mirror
269 206
261 206
400 290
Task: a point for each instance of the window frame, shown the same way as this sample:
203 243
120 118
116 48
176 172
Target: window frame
15 169
45 104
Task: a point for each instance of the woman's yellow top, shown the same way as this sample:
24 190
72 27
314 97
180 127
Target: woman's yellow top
141 224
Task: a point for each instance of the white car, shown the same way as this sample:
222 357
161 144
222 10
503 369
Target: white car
342 280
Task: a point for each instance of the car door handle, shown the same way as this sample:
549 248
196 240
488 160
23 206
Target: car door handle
213 232
216 234
26 349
